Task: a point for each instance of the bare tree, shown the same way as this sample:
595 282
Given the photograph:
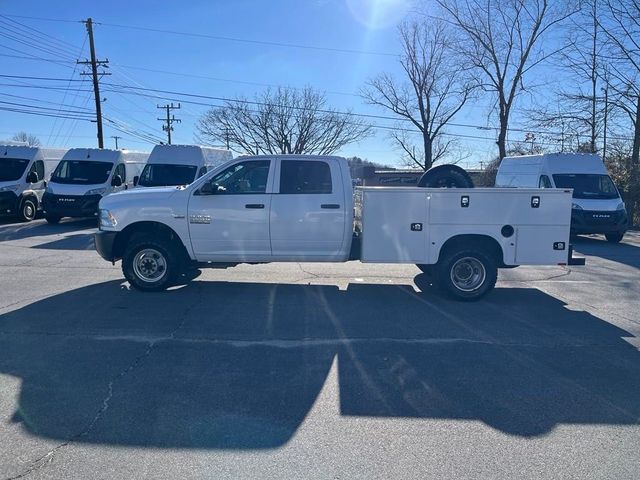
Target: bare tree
621 23
433 91
27 138
281 121
501 38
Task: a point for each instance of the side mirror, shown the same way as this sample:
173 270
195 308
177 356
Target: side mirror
135 180
32 177
116 181
207 189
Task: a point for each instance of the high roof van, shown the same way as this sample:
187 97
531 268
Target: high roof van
597 206
84 176
24 172
180 164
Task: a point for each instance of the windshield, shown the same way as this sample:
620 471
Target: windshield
12 168
160 175
587 185
82 172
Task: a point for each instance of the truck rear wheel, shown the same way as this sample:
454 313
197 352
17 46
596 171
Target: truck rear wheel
27 210
150 264
466 274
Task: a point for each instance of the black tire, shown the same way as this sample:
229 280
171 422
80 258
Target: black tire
28 210
151 264
446 176
453 267
614 237
52 219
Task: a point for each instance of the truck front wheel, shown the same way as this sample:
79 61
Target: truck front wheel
150 264
466 274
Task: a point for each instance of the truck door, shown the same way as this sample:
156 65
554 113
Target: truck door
308 212
229 214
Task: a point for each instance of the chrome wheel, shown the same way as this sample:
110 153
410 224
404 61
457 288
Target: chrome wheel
468 274
150 265
28 211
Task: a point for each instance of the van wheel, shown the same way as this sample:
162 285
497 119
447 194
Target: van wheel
150 264
52 219
466 274
614 237
27 210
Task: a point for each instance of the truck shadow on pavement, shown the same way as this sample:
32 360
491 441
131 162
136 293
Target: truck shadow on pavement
219 365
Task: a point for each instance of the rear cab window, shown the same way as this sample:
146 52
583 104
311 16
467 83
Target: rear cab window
305 177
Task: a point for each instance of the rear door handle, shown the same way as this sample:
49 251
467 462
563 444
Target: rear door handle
332 206
254 205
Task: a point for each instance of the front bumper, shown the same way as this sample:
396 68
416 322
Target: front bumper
8 203
70 205
105 244
596 221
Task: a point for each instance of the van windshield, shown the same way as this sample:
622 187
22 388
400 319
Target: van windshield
587 185
161 175
82 172
12 168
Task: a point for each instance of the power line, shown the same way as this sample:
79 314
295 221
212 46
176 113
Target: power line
251 41
219 37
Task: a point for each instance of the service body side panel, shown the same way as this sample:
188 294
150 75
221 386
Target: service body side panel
540 220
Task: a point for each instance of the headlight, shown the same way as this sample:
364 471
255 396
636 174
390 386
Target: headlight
96 191
10 188
107 220
620 206
575 206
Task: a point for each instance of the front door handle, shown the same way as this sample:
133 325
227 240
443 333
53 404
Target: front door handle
333 206
254 205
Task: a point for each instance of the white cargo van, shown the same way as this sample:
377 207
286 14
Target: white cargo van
597 206
84 176
171 165
24 172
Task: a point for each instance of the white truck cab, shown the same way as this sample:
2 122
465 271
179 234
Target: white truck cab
24 172
84 176
172 165
597 206
290 208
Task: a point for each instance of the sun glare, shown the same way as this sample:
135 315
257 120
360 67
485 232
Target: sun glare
378 13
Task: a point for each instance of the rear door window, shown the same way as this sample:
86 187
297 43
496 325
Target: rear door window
305 177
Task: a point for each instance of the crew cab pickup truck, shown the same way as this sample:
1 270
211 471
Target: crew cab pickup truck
293 208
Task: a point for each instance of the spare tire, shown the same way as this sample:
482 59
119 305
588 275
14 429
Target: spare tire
446 176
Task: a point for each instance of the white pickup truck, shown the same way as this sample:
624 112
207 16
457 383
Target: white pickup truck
293 208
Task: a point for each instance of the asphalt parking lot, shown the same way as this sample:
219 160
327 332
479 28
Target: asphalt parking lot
334 371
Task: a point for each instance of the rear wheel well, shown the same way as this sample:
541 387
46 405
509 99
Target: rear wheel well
485 243
153 228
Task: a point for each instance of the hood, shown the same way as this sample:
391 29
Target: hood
605 205
149 195
73 189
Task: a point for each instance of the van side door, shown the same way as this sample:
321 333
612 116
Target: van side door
37 167
308 212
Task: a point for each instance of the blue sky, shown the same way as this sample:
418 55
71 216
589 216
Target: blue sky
362 25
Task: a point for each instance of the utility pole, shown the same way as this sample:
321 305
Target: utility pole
169 120
94 73
116 138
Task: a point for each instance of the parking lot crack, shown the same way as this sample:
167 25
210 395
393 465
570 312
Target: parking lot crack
48 457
